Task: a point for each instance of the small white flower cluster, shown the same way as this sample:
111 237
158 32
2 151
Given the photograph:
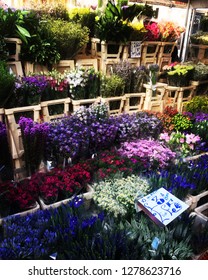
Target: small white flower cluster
77 77
118 195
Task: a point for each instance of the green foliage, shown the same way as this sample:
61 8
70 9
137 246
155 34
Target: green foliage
3 49
204 24
124 70
7 82
197 104
112 85
93 237
199 38
174 240
200 72
112 25
85 17
181 122
41 47
201 128
69 37
12 24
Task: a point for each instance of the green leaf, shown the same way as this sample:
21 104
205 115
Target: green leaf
23 31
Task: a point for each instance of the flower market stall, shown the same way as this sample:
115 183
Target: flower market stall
85 145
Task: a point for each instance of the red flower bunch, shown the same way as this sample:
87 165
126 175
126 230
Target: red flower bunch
153 31
57 85
21 195
61 183
108 163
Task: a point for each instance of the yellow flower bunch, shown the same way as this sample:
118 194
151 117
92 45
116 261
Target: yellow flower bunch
137 26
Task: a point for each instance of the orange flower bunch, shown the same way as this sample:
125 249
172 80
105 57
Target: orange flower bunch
170 32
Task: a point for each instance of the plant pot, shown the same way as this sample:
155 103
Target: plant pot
178 81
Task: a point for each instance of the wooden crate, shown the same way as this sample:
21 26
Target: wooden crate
84 102
185 94
198 53
135 107
45 111
14 134
115 104
171 96
1 114
15 43
165 53
155 103
87 63
108 53
149 53
16 67
64 65
30 68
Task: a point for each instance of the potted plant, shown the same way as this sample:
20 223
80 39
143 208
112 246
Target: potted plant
180 76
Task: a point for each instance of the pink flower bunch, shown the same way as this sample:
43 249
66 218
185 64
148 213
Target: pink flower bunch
153 33
151 153
180 142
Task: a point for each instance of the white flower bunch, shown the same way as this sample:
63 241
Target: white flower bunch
118 195
77 77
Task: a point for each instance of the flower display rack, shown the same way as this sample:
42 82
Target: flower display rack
108 52
134 102
14 46
14 133
87 63
199 53
171 96
34 68
84 102
115 104
149 53
165 52
63 65
154 97
45 108
1 114
185 94
198 200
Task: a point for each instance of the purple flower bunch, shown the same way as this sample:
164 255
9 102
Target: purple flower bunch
34 85
2 129
200 117
150 152
69 137
102 134
76 136
138 126
128 127
31 128
34 141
